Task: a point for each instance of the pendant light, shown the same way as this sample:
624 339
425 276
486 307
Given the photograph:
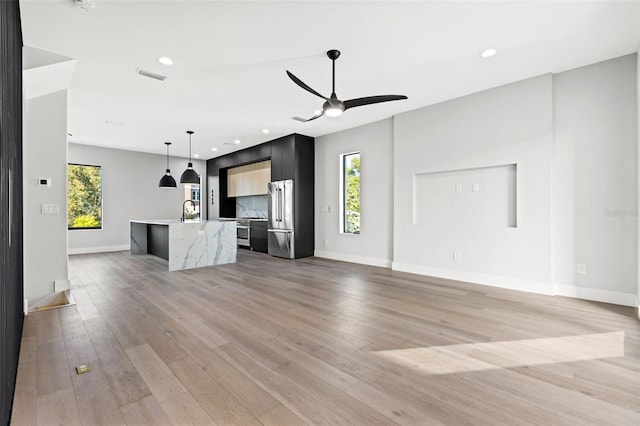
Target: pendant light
167 180
190 175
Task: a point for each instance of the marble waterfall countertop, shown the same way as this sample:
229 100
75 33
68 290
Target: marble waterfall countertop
185 245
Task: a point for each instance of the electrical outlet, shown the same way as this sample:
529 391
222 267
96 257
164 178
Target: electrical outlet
457 257
475 187
582 268
458 187
326 243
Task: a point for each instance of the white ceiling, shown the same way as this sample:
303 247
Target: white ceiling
228 80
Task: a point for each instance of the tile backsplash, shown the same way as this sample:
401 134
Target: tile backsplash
253 206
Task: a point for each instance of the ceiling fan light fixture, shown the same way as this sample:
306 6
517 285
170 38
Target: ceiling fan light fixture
488 53
190 175
333 111
333 106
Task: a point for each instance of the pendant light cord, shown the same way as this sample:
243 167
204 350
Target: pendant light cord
190 132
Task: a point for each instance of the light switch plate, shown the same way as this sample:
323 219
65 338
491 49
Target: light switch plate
50 209
458 187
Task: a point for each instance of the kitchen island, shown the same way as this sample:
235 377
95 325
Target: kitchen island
185 245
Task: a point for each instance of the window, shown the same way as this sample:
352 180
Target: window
192 211
84 196
351 193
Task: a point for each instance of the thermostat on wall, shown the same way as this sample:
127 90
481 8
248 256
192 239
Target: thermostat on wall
43 181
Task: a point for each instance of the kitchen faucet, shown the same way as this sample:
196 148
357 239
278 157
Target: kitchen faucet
184 206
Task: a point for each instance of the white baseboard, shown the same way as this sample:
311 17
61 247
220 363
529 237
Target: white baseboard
597 295
605 296
475 278
372 261
102 249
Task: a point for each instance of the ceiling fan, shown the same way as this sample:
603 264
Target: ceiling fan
333 106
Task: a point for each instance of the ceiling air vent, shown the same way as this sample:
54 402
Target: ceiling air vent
151 74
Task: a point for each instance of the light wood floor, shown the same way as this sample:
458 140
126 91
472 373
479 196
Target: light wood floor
278 342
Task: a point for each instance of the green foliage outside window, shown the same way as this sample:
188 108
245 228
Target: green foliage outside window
84 196
351 167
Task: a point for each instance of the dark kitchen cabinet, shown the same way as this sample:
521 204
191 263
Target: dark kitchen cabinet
227 204
258 236
283 158
292 157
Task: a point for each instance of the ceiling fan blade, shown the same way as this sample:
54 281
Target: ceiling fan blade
302 84
351 103
304 120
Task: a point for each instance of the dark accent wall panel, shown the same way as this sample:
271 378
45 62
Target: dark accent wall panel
11 291
304 177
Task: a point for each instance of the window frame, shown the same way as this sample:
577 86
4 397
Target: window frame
69 228
343 192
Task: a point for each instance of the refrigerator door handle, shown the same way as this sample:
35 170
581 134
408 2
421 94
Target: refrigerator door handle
280 231
277 205
280 205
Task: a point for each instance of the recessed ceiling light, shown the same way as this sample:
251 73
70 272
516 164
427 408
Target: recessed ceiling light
488 53
265 131
196 155
237 141
214 149
165 60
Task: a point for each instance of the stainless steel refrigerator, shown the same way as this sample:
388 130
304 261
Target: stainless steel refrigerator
280 237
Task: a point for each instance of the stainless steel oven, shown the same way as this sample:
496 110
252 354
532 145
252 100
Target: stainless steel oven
244 233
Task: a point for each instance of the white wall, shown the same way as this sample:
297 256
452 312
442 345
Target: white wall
374 243
506 125
595 181
574 139
129 191
44 156
638 176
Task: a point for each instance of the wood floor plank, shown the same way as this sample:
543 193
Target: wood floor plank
47 326
58 408
52 368
24 399
183 409
219 404
76 339
124 378
255 399
145 412
343 404
28 350
97 404
318 341
162 383
294 397
281 416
